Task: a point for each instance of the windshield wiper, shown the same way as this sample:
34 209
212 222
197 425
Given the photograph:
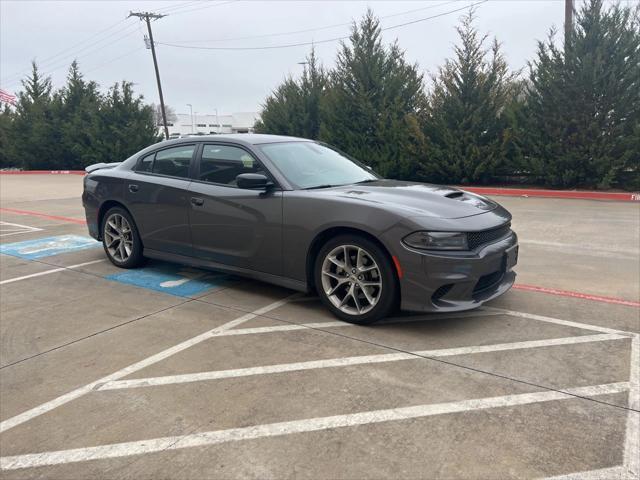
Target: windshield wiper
369 180
319 186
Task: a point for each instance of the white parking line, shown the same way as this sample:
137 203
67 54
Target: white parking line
632 434
348 361
559 321
298 426
613 473
16 229
47 272
79 392
339 324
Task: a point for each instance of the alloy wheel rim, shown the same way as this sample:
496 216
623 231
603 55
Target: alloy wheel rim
351 279
118 237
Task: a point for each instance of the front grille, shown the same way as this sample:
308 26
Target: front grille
488 281
477 239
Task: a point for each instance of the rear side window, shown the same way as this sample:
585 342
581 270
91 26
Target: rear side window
146 164
222 164
172 162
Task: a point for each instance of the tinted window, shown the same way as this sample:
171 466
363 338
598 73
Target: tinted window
174 162
146 163
222 164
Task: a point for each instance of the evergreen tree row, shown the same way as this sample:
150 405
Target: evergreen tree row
573 121
75 126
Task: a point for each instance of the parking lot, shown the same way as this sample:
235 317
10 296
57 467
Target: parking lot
174 372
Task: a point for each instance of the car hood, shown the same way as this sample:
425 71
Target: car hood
415 199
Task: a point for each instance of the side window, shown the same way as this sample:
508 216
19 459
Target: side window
146 163
174 162
222 164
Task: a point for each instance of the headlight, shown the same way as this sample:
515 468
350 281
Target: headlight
437 240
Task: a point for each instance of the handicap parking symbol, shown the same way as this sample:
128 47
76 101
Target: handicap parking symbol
170 278
48 246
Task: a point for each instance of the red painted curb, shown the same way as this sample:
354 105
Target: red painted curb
79 221
583 296
579 195
42 172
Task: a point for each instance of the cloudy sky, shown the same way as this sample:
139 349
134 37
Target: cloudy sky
110 47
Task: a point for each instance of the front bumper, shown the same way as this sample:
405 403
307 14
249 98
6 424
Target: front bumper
456 281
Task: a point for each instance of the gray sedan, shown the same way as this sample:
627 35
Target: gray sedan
303 215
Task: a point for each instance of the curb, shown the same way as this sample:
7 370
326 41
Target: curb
571 194
79 221
42 172
508 192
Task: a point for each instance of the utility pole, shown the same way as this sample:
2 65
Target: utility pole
568 21
147 16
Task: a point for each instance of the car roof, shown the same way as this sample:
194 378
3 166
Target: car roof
241 138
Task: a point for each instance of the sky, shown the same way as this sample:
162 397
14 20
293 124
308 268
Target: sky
110 47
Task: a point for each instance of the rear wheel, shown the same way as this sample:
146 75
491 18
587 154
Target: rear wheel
120 239
355 279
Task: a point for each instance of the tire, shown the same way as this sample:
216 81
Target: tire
349 297
127 254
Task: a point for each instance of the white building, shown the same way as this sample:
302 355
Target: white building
185 124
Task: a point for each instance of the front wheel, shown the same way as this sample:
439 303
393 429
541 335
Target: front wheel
354 278
120 239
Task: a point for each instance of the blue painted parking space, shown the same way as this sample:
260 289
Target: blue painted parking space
171 278
48 246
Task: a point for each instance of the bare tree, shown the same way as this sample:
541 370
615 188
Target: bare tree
157 114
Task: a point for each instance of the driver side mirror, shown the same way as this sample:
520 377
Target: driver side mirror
253 181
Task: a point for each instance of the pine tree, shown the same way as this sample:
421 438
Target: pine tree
374 98
127 124
312 90
294 107
583 103
283 111
76 108
7 157
34 132
467 129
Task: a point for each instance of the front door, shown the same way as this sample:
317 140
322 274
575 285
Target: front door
157 194
229 225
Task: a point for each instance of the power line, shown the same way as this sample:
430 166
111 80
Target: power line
180 12
11 78
99 45
66 62
178 6
316 29
113 60
63 52
316 42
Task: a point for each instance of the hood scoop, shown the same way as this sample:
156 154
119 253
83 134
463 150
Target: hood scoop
455 195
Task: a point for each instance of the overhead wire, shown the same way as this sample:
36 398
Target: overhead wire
315 42
316 29
61 52
65 63
203 7
113 60
72 51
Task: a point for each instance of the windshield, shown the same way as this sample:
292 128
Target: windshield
311 165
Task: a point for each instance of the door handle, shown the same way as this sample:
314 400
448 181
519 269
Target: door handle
198 202
133 188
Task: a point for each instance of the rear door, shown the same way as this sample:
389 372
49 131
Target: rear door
234 226
157 194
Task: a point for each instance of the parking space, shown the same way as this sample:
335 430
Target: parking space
168 371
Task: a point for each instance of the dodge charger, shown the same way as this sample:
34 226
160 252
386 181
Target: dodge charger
303 215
